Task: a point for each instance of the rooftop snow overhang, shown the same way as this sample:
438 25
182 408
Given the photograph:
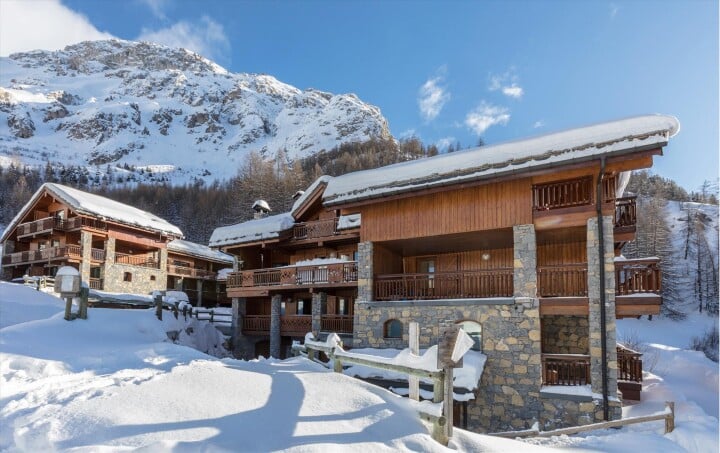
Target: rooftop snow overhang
575 146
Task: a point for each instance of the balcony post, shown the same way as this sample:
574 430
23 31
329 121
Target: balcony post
593 276
86 251
365 272
525 261
242 348
199 289
275 339
318 299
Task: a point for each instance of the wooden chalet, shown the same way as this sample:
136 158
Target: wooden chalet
520 242
116 247
196 270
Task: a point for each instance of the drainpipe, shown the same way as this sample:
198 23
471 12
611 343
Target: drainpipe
603 316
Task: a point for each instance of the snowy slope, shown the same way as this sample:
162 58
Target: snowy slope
114 383
167 111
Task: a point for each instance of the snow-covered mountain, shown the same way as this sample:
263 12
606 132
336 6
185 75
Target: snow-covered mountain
166 111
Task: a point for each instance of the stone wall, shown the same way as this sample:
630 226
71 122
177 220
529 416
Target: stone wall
365 271
565 334
142 279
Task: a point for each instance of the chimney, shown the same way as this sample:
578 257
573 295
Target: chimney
298 194
261 208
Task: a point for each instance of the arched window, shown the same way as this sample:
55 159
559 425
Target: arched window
393 329
475 331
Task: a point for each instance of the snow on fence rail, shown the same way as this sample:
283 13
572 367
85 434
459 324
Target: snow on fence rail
420 367
668 414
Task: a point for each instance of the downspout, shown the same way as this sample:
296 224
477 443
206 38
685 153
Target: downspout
603 316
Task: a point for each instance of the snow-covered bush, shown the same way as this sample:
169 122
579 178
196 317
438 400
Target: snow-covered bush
707 343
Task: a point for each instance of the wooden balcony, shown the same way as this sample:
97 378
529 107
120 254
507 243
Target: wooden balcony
625 219
296 325
563 289
64 252
563 194
336 323
565 369
137 260
191 272
50 224
629 373
259 282
568 280
471 284
96 283
319 231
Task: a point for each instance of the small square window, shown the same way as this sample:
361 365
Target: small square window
152 278
127 277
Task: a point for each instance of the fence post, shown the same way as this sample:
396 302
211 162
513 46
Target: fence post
448 402
84 292
212 316
158 306
414 340
670 418
337 365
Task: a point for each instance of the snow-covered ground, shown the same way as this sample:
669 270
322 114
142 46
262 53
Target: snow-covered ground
115 382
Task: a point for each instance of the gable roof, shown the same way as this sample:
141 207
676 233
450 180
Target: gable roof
309 196
198 250
253 230
96 206
560 148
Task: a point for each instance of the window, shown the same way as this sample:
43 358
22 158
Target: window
475 331
341 309
393 329
152 278
127 277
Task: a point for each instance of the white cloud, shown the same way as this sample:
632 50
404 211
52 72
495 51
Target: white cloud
444 142
408 133
614 10
538 124
206 37
42 24
513 91
433 96
486 115
507 83
157 7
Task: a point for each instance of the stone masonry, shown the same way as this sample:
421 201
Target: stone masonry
318 300
86 247
275 339
565 334
594 262
365 271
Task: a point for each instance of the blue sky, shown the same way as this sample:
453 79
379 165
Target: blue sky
447 71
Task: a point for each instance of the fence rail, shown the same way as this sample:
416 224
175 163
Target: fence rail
315 230
563 194
445 285
565 280
629 365
137 260
190 271
625 212
345 272
637 276
46 254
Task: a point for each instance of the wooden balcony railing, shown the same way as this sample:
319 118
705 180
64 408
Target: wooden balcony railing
296 325
565 369
317 229
76 223
97 254
137 260
568 280
191 272
345 272
625 212
336 323
48 254
629 365
256 324
563 194
445 285
637 276
96 283
40 226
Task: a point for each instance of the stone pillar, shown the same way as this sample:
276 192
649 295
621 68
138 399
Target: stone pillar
163 258
242 348
365 272
525 261
593 276
275 303
199 288
109 252
318 299
86 250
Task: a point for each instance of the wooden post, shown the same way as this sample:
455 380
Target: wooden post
68 308
212 316
414 340
448 402
670 419
337 365
158 306
84 292
438 385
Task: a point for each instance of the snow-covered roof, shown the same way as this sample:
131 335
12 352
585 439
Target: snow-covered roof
346 222
198 250
253 230
300 201
96 206
580 144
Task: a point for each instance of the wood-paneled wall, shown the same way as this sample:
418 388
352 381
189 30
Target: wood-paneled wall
385 261
470 260
479 208
562 253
